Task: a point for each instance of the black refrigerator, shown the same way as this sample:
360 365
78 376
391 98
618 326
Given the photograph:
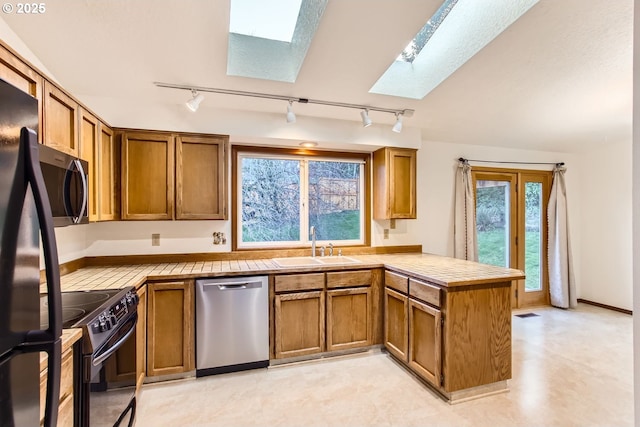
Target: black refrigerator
25 217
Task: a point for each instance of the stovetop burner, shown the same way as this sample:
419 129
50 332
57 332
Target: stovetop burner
75 305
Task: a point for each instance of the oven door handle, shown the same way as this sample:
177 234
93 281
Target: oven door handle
112 349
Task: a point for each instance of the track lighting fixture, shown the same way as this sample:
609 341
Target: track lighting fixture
397 128
194 103
291 116
366 121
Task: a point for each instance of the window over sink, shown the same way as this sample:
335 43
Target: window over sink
279 194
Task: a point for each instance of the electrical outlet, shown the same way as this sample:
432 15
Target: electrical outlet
155 239
385 234
392 224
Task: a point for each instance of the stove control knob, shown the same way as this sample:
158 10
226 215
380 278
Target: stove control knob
103 323
132 298
113 320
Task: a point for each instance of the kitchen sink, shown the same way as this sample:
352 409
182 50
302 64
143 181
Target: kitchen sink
307 261
337 260
299 261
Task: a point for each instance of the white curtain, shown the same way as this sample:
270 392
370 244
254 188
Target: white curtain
465 243
562 286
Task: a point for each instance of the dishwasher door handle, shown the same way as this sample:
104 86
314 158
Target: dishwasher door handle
230 286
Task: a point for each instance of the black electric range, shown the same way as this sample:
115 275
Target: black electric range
108 318
76 305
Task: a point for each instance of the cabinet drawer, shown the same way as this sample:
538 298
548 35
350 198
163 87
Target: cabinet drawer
299 282
425 292
348 279
396 281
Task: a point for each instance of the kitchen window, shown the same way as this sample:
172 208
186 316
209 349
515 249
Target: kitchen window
279 194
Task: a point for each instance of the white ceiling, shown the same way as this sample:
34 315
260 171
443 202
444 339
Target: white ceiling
560 78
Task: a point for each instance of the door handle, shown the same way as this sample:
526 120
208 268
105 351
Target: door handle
85 191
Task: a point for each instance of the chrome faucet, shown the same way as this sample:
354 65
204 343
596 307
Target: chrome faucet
330 249
312 231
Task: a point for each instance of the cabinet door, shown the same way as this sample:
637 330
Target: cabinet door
402 184
299 324
170 341
425 349
60 120
107 174
15 72
201 177
348 318
147 176
394 183
396 321
141 338
89 151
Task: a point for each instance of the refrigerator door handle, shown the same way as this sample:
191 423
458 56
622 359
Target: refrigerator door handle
50 339
54 373
29 142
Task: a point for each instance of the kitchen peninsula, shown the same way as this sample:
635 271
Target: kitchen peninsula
448 321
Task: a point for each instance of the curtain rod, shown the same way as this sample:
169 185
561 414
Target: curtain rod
462 159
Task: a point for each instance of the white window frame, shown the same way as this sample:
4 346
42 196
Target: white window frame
305 240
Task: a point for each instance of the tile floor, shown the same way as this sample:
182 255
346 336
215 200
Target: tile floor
570 368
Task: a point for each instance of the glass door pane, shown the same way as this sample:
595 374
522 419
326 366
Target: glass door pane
532 232
493 222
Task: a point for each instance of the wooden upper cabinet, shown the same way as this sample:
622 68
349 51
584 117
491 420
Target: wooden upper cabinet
60 120
89 125
107 187
394 183
97 147
201 177
147 175
17 73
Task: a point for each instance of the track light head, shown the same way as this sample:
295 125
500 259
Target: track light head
397 128
366 121
291 116
194 103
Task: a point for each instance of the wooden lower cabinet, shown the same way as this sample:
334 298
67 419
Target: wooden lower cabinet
65 408
170 327
425 349
141 338
457 338
396 322
299 324
348 318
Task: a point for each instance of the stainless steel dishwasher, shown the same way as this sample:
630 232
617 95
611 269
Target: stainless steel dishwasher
232 324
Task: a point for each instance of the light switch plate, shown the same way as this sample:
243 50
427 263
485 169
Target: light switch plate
155 239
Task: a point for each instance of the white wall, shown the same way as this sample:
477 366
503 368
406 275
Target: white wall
606 223
636 208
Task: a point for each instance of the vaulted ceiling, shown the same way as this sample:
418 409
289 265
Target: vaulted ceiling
559 78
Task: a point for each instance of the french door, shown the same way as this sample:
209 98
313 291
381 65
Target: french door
511 224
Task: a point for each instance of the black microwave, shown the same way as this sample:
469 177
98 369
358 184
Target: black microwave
67 182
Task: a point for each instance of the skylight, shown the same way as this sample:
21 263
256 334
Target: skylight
415 46
454 36
268 19
273 39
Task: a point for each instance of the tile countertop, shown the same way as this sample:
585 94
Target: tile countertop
444 271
